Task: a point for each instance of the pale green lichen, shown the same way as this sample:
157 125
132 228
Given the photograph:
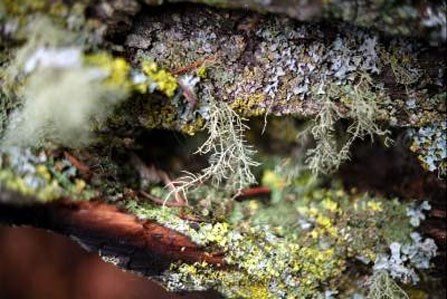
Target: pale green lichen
361 101
45 117
230 157
383 286
289 249
430 144
35 174
51 78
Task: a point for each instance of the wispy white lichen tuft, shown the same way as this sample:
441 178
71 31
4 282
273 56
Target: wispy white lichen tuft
383 286
61 106
230 157
331 151
62 97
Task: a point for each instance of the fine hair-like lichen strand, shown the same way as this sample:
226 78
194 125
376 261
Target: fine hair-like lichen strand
384 287
230 157
363 112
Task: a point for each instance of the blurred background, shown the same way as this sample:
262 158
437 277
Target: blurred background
35 264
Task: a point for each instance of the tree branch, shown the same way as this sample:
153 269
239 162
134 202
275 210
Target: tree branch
144 247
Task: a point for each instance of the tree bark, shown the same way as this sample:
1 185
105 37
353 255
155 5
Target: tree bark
420 19
384 58
144 247
268 64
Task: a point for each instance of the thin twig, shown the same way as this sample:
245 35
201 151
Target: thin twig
162 202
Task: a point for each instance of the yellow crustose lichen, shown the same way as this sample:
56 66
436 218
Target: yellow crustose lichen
165 81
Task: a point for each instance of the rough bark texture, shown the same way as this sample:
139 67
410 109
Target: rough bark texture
422 19
349 69
274 65
143 247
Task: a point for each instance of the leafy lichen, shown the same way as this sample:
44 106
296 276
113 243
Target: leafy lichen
430 143
290 249
36 174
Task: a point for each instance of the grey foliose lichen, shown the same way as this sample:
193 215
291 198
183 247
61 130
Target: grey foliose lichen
275 65
430 144
405 259
33 173
421 19
416 212
269 65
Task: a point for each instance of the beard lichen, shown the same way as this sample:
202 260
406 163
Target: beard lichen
383 286
361 102
188 73
230 157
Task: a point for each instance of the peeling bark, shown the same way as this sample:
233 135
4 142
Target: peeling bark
143 247
420 19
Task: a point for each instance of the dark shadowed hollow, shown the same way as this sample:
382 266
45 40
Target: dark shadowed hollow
35 264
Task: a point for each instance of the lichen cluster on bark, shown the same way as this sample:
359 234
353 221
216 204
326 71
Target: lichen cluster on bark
102 104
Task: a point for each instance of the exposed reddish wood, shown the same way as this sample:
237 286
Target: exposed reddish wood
80 166
437 233
438 213
145 246
195 65
190 217
105 218
253 192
